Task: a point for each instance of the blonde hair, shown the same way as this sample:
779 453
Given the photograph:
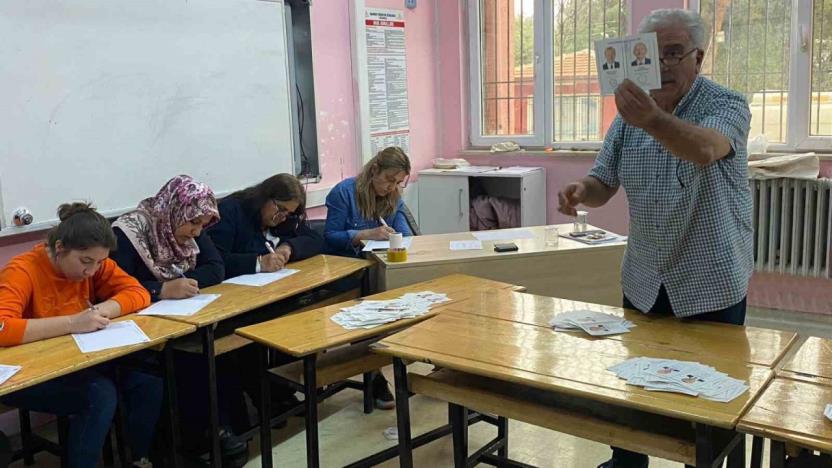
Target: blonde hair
371 205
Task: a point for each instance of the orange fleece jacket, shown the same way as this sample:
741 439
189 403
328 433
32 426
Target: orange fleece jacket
31 288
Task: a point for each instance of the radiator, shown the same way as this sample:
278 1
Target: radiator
792 226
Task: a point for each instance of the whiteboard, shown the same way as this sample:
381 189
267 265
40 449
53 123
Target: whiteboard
105 100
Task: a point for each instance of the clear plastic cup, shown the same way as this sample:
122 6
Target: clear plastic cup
551 235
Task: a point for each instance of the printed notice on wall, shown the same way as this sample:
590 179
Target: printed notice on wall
387 78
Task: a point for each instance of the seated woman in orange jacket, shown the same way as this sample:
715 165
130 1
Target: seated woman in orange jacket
70 285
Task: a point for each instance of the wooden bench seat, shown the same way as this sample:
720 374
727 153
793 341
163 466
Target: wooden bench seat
654 435
336 365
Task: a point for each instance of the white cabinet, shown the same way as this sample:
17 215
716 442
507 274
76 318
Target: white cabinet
443 203
445 196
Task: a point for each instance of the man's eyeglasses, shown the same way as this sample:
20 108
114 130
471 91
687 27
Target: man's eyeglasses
674 57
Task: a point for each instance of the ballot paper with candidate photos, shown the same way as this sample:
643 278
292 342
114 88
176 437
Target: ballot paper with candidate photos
689 378
592 322
632 57
371 314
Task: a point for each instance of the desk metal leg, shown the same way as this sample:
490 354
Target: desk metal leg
26 437
736 459
757 452
777 454
502 434
213 405
458 418
369 396
265 410
403 414
169 370
704 446
310 393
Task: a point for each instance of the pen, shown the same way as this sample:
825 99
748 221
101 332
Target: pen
269 246
384 223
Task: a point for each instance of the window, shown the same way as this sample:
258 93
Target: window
533 70
534 80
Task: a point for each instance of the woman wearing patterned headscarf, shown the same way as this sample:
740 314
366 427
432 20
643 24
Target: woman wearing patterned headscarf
162 244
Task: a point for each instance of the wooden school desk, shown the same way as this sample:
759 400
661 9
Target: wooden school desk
512 365
570 270
790 411
45 360
812 360
236 300
811 363
308 334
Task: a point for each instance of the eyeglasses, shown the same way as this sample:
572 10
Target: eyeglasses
280 209
674 57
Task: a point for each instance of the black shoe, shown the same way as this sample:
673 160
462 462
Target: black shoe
381 392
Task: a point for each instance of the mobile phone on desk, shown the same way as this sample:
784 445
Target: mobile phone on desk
506 247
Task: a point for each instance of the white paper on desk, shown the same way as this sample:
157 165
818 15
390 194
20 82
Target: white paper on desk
466 245
6 372
607 239
116 334
500 235
384 245
181 307
828 411
261 279
616 60
516 170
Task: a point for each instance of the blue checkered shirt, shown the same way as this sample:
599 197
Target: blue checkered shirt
690 226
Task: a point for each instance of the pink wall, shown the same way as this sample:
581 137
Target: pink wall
335 88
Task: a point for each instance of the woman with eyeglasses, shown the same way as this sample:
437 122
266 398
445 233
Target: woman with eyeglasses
357 206
272 212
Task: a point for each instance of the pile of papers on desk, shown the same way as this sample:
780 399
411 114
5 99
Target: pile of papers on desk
592 322
828 411
689 378
369 314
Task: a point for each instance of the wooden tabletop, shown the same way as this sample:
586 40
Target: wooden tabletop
541 358
237 299
750 344
435 248
812 359
312 331
792 411
48 359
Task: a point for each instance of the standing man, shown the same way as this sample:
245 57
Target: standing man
680 155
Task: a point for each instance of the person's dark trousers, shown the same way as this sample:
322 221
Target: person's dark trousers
734 315
89 398
192 388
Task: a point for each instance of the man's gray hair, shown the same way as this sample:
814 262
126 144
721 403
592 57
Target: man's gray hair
675 17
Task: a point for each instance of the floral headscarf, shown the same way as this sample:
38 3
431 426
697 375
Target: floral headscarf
150 228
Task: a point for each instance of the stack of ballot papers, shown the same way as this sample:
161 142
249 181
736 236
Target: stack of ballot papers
689 378
594 323
369 314
828 411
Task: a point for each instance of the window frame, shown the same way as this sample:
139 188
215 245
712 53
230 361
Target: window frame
798 136
543 133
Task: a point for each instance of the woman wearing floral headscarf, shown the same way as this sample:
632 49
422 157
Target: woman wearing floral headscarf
162 244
